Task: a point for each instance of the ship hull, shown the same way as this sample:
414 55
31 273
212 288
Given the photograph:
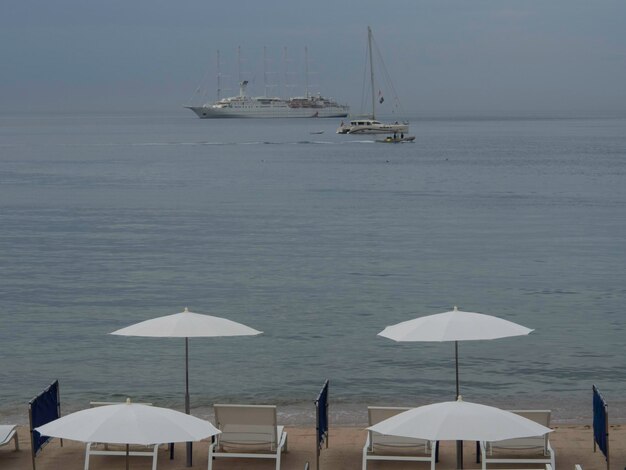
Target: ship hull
378 128
267 112
388 129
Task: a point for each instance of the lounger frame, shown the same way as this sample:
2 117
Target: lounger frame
89 451
380 446
251 431
10 433
539 443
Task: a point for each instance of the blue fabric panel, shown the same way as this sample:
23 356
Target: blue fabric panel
322 415
600 422
44 408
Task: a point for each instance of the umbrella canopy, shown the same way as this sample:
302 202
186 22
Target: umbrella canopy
129 423
455 325
459 420
187 325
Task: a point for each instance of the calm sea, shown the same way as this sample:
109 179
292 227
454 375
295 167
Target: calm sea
320 241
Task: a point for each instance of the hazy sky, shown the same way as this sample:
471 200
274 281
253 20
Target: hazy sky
443 56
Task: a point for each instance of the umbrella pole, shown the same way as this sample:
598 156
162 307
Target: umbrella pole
459 444
127 452
456 361
187 410
187 375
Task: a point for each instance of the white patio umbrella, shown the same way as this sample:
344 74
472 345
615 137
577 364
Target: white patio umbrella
129 423
459 421
456 326
187 325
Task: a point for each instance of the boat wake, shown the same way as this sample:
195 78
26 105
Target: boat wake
260 142
202 143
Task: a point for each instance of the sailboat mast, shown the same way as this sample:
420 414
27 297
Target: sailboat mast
286 69
369 48
265 69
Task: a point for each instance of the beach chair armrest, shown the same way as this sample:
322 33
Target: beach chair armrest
368 443
282 442
484 447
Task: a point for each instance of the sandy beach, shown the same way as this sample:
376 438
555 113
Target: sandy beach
573 444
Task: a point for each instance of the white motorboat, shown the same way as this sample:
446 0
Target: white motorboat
371 126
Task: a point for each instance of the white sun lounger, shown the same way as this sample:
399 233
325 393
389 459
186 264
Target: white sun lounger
8 432
91 448
383 447
248 431
533 450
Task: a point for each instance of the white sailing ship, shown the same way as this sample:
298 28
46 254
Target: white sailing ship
244 106
369 124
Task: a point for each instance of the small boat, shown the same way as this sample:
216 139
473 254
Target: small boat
396 139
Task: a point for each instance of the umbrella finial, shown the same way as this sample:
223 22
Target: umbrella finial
186 309
456 309
459 398
128 400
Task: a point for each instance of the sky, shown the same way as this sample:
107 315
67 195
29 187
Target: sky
443 56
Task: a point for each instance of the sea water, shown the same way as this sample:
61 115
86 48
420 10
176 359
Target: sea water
320 241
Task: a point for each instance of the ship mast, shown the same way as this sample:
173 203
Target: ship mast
239 64
219 77
306 72
369 47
